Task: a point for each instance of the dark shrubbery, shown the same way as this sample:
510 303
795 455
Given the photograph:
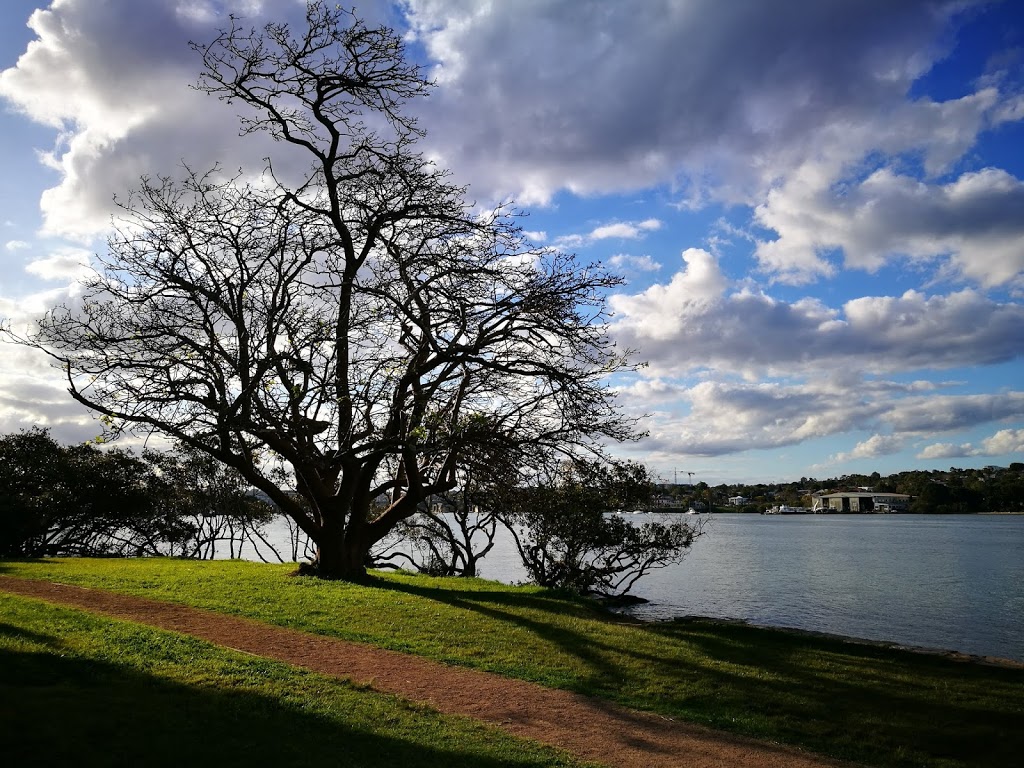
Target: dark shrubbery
567 538
79 500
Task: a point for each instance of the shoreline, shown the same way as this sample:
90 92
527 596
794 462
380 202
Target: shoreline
946 653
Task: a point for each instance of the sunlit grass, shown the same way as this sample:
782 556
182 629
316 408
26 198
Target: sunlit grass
874 705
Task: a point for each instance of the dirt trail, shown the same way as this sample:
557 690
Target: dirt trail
589 728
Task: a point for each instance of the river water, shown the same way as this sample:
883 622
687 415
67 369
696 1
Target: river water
934 581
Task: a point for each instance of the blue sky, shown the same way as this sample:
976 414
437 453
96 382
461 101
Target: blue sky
818 207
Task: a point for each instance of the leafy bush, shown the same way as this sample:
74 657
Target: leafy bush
568 535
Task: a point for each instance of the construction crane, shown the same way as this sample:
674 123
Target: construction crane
675 476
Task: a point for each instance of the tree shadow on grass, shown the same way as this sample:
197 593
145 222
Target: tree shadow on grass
549 600
506 606
58 710
872 704
7 565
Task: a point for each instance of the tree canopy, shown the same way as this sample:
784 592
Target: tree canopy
60 500
566 538
361 335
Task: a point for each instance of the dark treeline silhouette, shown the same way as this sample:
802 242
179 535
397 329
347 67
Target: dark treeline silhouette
79 500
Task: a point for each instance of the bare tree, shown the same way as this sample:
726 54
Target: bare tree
214 513
362 328
450 534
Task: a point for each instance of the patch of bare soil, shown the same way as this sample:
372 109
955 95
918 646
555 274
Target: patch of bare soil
589 728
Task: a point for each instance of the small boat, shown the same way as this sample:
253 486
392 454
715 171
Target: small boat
784 509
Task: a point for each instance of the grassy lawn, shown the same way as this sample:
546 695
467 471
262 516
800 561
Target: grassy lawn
76 689
872 705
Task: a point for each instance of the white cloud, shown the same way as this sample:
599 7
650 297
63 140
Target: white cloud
33 393
621 230
1003 443
972 224
720 100
801 110
649 391
944 451
936 414
625 230
661 311
873 447
719 418
112 80
17 245
65 264
642 263
728 418
696 322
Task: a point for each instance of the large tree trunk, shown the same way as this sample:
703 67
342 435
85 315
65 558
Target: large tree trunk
338 559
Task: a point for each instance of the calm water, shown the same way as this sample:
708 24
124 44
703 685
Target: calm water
932 581
950 582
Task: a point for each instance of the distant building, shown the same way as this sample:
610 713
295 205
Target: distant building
738 501
665 500
865 502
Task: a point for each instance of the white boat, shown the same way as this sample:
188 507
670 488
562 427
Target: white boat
784 509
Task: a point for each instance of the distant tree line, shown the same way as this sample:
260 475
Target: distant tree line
79 500
989 489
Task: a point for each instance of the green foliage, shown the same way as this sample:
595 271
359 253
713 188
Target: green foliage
954 491
567 539
69 499
206 504
80 500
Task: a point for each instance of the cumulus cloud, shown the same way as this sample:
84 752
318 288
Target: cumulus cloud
33 393
1002 443
622 96
722 100
944 451
625 230
778 108
800 111
17 245
874 446
696 321
619 230
938 414
720 418
65 264
112 79
972 223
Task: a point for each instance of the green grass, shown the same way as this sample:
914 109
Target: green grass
77 689
869 704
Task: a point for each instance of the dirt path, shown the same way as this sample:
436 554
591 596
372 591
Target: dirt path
590 728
